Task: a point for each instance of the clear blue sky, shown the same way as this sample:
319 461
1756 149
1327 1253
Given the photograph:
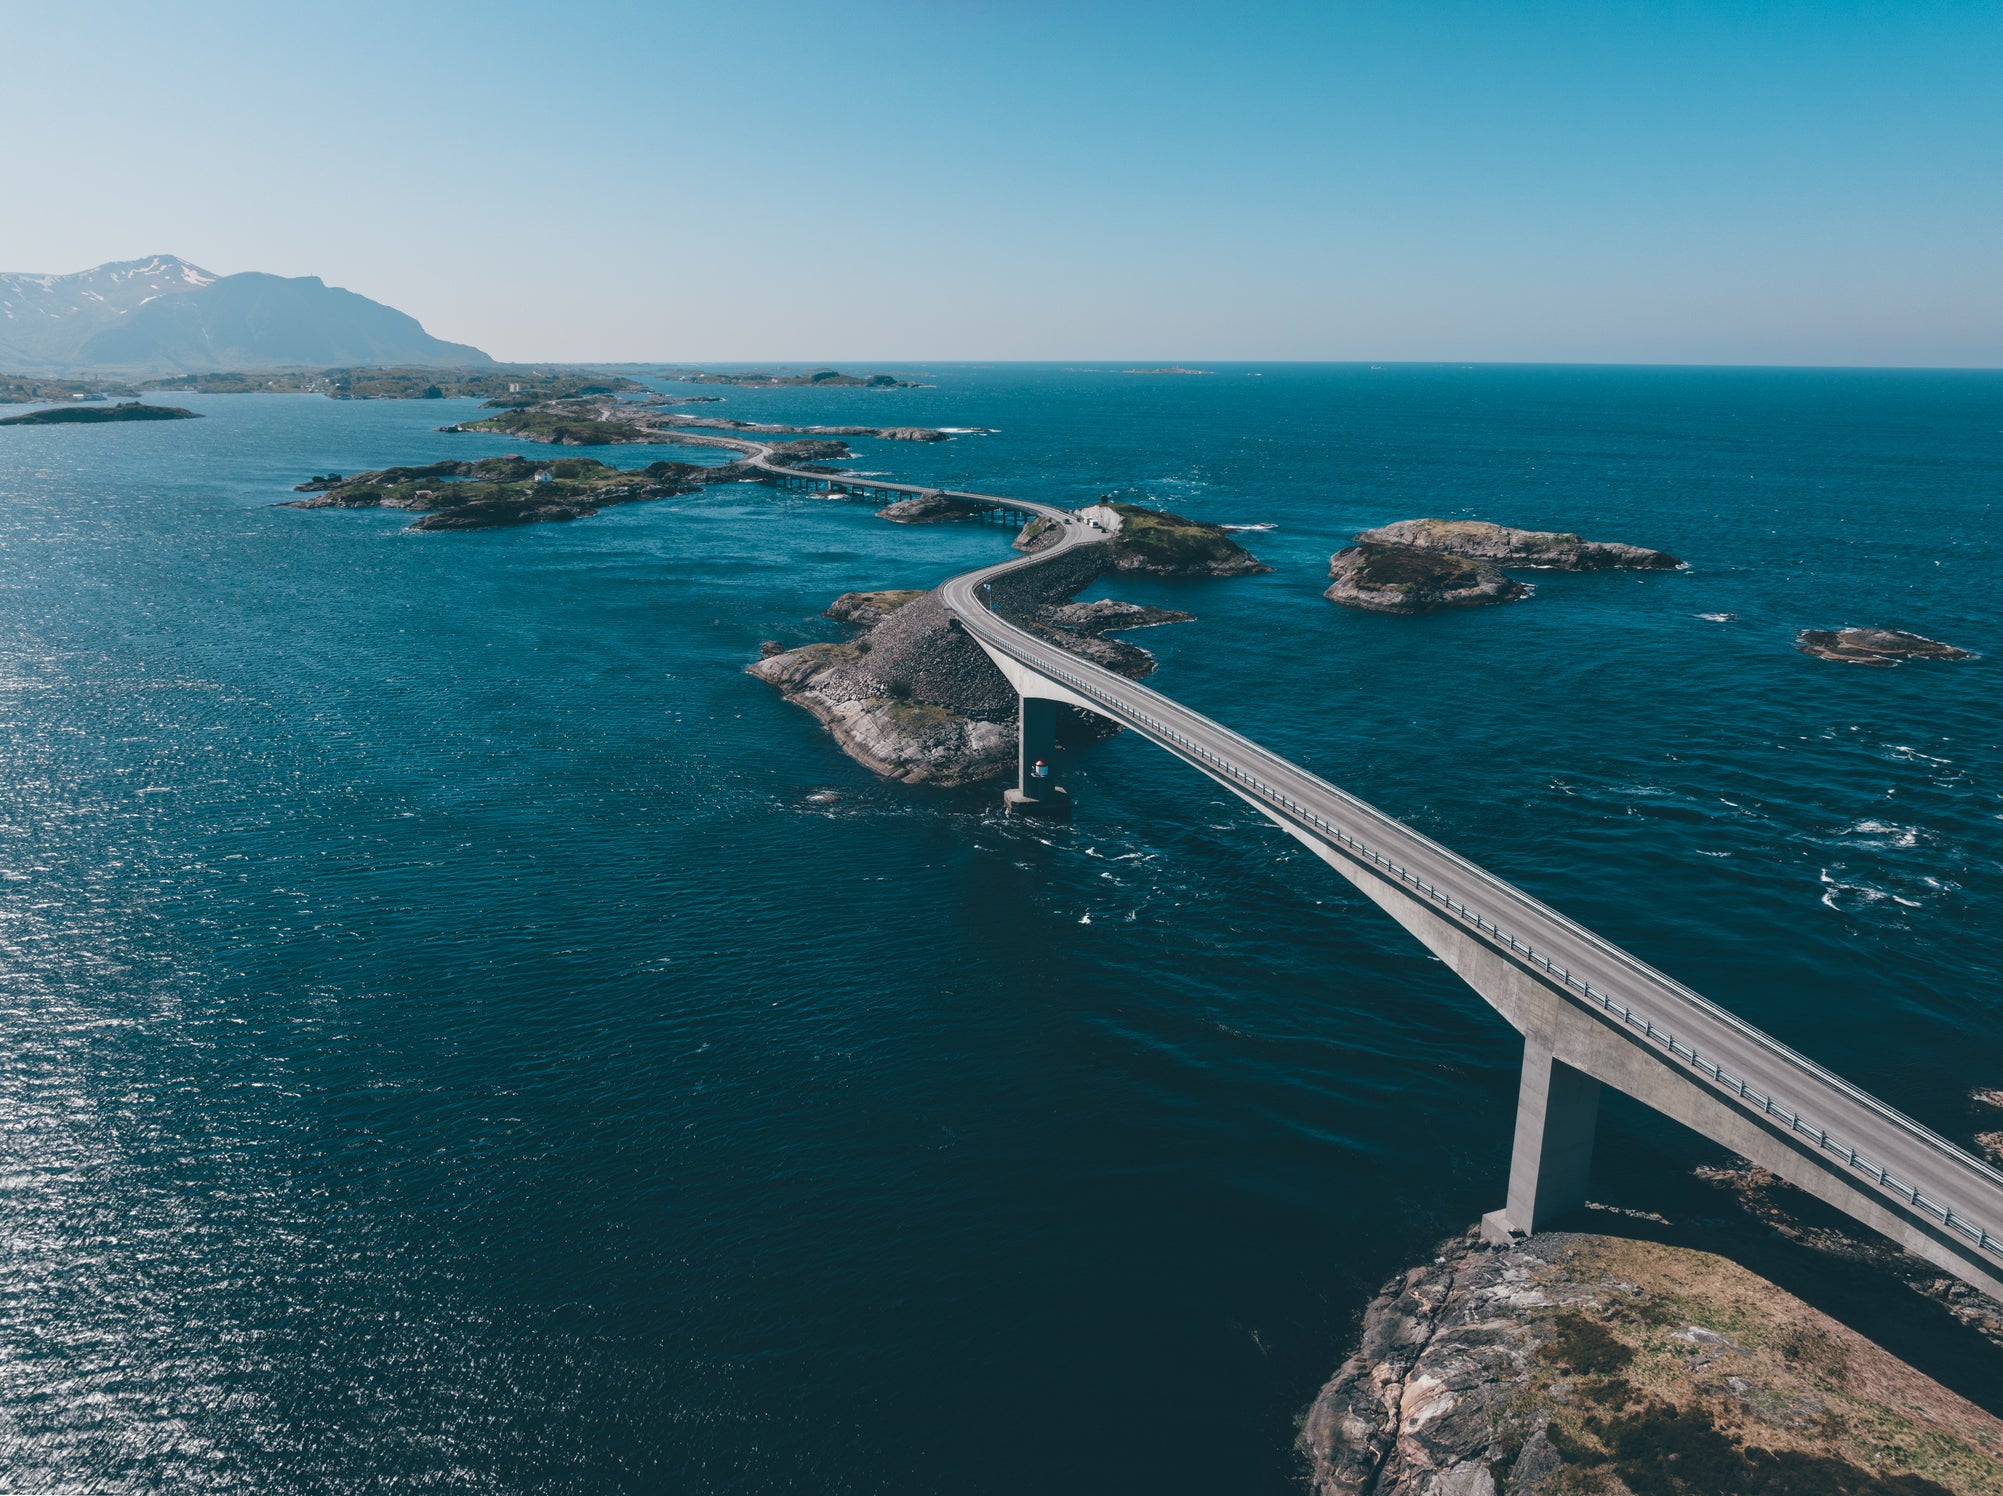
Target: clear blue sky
889 179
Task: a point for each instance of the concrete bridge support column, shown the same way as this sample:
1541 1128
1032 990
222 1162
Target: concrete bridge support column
1557 1108
1037 793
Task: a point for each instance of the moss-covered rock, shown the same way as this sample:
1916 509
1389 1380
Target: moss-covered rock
1157 543
1576 1363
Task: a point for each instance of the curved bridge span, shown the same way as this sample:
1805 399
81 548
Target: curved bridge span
1590 1014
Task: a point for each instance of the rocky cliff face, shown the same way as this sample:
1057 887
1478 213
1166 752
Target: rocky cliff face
1579 1363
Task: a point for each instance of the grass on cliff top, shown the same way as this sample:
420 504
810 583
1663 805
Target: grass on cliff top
1164 539
564 428
1397 568
1690 1376
493 480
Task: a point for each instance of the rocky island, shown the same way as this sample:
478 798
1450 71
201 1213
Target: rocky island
1574 1363
587 422
1550 550
911 697
1398 579
494 492
1882 647
91 415
818 378
1424 565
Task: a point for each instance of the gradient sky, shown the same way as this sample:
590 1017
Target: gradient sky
885 179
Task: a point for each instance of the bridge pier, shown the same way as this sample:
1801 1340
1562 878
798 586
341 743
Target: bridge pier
1557 1109
1037 792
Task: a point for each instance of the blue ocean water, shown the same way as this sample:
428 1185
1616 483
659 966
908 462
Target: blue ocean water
452 1040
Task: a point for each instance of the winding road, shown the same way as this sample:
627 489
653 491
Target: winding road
1597 1008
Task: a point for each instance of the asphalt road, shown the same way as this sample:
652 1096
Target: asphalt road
1912 1171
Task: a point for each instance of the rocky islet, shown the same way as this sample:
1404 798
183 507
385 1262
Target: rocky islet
1573 1362
1425 565
913 698
1877 647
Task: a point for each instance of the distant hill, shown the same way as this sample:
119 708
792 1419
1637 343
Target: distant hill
163 315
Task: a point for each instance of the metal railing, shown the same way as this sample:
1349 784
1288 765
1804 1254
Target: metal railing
1032 653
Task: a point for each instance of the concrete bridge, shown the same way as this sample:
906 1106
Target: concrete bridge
1590 1014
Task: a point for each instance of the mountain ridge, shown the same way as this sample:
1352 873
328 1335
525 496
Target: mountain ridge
163 314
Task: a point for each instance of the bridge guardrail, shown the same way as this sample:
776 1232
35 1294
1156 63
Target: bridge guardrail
1685 1055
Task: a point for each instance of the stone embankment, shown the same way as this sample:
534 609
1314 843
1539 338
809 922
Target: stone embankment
1424 565
1609 1364
913 698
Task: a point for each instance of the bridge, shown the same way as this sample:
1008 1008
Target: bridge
1590 1014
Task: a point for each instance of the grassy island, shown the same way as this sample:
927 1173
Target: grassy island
1153 540
92 415
500 491
563 427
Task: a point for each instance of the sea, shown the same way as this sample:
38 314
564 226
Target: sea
462 1033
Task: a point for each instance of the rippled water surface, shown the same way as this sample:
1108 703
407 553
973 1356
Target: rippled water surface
453 1040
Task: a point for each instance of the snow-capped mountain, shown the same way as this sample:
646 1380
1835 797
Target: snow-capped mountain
163 315
47 319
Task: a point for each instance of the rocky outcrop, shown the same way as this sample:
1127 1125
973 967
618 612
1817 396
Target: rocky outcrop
90 415
1572 1362
1107 616
870 608
912 434
1156 543
914 699
926 508
1550 550
494 492
1874 646
1400 579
